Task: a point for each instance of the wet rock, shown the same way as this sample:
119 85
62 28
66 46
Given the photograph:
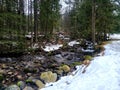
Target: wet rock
13 87
10 73
2 71
59 72
48 77
39 84
4 66
30 70
1 77
21 84
87 57
19 77
28 88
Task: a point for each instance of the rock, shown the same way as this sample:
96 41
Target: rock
39 84
60 72
65 68
2 71
10 73
87 57
4 66
19 77
1 77
21 84
30 70
13 87
28 88
48 77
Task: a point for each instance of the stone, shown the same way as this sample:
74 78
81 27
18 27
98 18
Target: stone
48 77
65 68
12 87
60 72
88 57
19 77
39 84
21 84
4 66
10 73
1 77
2 71
28 88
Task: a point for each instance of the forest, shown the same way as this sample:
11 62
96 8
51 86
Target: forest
52 36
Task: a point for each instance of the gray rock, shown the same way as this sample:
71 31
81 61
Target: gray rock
28 88
13 87
21 84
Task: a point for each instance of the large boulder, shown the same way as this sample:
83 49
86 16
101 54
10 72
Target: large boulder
13 87
48 77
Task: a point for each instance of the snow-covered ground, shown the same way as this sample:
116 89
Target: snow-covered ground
115 36
102 74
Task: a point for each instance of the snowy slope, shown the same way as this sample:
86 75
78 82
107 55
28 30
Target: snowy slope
102 74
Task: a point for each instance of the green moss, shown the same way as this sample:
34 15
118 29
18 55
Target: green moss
28 81
48 76
18 84
65 68
1 77
76 63
87 57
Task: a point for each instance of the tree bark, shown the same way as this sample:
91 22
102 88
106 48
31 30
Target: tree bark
93 21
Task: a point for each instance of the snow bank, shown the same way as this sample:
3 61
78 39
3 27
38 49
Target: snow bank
115 36
102 74
52 47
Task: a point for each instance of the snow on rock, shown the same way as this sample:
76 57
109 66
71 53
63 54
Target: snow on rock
102 74
73 43
115 36
28 36
52 47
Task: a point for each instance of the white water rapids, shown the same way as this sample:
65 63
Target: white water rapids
102 74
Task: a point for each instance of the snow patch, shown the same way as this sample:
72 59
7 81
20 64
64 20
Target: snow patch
72 43
115 36
52 47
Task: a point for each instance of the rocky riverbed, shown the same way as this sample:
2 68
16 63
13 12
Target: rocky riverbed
30 72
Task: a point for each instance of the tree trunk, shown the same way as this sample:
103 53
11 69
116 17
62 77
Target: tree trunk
93 21
35 20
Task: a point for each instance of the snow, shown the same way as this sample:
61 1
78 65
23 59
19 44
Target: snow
102 74
72 43
28 36
115 36
87 50
52 47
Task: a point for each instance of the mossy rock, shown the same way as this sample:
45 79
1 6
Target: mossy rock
87 57
48 77
1 77
13 87
21 84
59 72
65 68
39 84
29 81
76 63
